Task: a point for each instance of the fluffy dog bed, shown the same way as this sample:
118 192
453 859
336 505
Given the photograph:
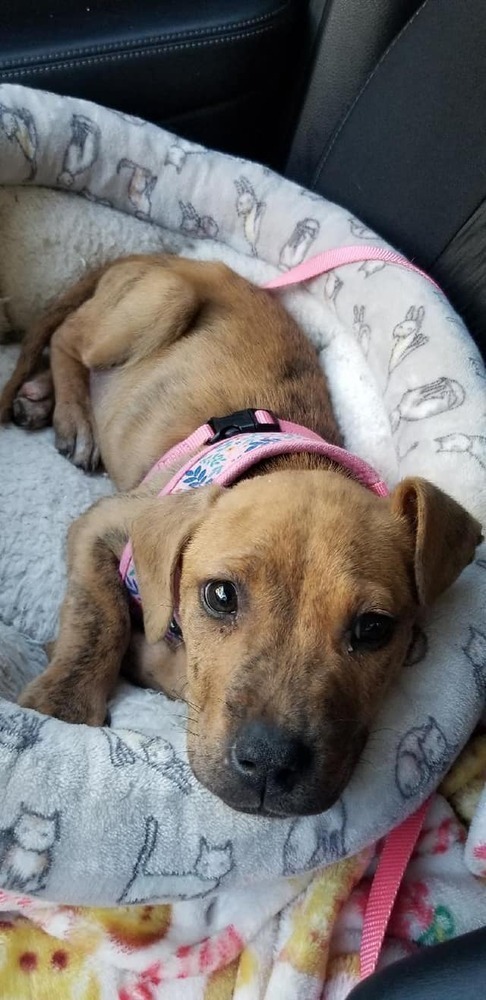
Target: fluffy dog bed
114 816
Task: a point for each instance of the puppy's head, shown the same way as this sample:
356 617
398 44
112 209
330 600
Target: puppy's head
298 593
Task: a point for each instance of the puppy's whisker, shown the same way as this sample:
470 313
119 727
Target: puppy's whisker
193 707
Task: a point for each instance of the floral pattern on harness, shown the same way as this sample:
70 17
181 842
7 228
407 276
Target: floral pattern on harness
212 463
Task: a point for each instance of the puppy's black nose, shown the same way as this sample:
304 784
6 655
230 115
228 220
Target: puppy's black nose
266 756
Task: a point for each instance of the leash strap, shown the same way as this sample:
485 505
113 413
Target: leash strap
397 851
400 842
329 259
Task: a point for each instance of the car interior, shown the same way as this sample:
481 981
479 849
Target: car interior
378 105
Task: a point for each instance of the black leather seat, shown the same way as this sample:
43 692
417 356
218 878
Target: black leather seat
377 104
216 71
454 970
347 39
409 154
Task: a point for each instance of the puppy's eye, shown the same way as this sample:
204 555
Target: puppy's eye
371 631
220 597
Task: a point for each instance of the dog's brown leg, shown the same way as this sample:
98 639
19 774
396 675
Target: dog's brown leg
95 621
95 624
138 307
33 405
38 337
73 420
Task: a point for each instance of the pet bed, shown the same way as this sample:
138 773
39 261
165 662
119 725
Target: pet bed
110 817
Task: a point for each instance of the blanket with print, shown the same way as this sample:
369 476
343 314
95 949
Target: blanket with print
112 857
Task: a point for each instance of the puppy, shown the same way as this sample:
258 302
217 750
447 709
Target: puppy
298 588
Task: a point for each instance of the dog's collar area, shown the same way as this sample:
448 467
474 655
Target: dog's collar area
222 450
241 422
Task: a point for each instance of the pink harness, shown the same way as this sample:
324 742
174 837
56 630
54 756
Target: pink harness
229 451
225 449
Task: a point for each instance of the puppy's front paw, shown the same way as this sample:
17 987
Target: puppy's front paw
33 405
28 403
75 436
64 700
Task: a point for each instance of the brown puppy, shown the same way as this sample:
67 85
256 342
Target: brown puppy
322 581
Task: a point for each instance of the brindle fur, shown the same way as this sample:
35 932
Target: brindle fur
172 342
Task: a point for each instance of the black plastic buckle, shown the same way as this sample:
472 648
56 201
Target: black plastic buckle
241 422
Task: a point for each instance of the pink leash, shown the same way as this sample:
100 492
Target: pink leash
329 259
400 842
396 853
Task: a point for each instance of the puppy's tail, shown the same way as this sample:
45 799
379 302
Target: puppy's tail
38 337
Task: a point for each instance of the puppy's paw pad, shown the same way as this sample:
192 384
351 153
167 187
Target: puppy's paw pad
30 403
32 414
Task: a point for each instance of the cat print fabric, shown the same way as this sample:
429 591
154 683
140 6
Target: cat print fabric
127 867
150 880
305 944
26 850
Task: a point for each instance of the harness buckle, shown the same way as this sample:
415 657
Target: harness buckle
241 422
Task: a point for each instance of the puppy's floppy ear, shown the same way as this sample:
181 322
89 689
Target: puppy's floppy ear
445 535
159 536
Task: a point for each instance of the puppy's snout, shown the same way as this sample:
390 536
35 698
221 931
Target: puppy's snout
268 759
